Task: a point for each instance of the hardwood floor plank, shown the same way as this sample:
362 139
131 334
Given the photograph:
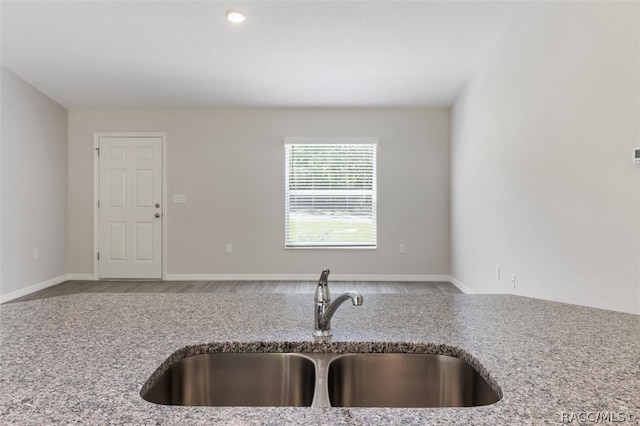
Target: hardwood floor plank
301 287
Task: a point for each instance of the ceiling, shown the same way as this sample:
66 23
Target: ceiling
185 54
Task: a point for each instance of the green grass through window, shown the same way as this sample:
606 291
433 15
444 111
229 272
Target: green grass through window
330 229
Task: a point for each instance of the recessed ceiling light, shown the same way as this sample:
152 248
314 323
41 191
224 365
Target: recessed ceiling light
236 16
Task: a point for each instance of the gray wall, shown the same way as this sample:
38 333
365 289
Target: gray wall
34 186
542 177
230 166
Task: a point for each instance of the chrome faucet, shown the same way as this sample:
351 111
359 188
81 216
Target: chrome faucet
324 308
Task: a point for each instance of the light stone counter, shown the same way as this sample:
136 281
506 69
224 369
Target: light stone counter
83 359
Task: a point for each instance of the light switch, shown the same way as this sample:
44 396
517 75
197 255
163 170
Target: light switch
179 198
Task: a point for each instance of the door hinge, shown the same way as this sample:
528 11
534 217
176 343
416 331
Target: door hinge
98 203
98 255
98 151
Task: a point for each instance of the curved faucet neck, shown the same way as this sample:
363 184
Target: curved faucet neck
324 308
355 297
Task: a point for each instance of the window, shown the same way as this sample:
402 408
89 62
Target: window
330 193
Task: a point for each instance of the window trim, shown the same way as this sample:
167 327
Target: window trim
333 141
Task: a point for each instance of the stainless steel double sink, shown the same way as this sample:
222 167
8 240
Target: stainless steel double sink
321 380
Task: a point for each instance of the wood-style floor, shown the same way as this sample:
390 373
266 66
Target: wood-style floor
364 287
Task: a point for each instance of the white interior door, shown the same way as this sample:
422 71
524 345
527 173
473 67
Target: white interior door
130 211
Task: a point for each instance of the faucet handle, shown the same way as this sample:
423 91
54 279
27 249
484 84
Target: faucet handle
322 290
324 277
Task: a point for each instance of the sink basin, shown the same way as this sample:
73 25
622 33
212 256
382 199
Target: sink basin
320 380
237 379
405 380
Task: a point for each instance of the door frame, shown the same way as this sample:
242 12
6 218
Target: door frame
96 194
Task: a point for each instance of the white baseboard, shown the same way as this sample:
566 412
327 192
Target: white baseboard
302 277
80 277
32 288
463 288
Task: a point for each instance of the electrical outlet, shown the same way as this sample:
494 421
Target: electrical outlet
513 280
36 254
229 248
498 272
402 249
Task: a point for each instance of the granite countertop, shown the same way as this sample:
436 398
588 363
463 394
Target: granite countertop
84 358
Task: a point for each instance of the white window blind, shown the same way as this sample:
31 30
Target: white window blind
330 194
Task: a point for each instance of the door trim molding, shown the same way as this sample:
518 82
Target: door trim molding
96 194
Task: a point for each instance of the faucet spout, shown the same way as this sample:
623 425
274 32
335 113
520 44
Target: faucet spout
355 297
324 308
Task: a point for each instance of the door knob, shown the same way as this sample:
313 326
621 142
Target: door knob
157 214
157 205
